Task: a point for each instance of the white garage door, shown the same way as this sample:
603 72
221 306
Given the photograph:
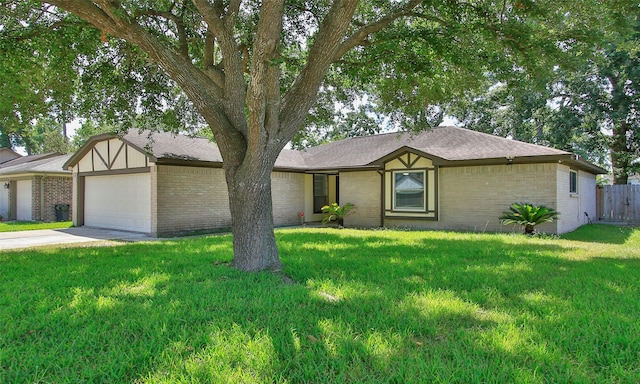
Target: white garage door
4 201
118 202
23 200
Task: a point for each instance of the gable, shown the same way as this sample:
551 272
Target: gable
7 154
110 155
410 173
408 160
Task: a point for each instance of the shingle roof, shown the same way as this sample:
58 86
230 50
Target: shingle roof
164 145
28 159
46 165
446 143
7 154
168 146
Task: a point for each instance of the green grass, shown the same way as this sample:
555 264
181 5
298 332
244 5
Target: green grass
366 306
14 226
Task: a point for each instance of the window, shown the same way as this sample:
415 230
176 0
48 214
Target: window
573 182
320 192
408 191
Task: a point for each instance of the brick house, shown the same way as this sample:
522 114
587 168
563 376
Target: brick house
444 178
32 186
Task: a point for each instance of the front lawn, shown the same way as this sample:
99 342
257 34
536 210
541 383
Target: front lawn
14 226
366 306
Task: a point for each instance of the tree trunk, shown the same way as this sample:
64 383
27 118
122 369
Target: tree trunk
620 153
254 242
620 156
528 229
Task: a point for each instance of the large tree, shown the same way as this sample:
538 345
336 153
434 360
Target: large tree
254 70
591 107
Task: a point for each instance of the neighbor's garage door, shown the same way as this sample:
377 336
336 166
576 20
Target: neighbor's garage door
23 200
4 201
118 202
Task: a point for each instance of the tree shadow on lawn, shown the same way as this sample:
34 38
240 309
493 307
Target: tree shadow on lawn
361 311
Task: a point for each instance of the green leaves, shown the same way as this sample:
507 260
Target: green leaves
528 215
587 105
334 211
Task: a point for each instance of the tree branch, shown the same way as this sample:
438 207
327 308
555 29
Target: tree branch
86 10
264 75
361 35
234 83
209 50
183 46
301 96
205 95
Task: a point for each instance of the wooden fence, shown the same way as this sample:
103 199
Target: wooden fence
619 203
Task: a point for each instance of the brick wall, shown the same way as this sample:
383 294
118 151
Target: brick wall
58 190
190 199
37 194
287 191
364 190
11 214
46 192
473 198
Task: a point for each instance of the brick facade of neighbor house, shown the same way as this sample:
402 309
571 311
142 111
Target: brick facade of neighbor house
36 184
47 192
12 200
363 189
187 199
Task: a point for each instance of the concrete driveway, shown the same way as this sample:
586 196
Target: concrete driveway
29 239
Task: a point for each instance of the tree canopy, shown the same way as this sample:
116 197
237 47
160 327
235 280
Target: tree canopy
590 107
257 72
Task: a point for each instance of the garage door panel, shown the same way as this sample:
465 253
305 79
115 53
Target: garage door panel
23 200
4 202
118 202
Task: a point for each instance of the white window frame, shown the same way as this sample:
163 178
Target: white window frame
424 191
573 191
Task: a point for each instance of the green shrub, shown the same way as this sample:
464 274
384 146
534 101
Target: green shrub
528 215
336 212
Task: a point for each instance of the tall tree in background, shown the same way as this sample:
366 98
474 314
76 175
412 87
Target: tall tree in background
619 71
591 107
38 75
254 70
44 136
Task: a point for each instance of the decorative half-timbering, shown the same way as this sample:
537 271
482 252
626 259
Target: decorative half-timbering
111 155
410 187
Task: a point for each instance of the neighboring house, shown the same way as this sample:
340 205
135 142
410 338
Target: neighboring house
28 159
31 187
7 154
444 178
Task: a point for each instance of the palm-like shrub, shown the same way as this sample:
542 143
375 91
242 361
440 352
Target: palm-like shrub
528 215
336 212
